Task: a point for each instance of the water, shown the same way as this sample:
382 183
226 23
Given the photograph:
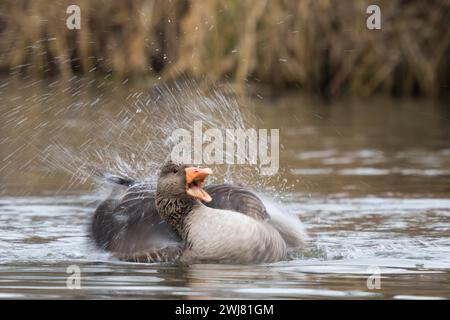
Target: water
369 178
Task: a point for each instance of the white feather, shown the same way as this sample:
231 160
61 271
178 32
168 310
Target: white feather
289 226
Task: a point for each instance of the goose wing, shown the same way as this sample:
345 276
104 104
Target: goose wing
132 226
237 198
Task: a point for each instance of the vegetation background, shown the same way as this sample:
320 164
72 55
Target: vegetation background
322 46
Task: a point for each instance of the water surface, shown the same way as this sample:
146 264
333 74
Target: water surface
369 178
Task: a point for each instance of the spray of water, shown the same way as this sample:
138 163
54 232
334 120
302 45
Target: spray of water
88 136
135 139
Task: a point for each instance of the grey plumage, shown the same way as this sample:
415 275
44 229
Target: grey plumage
234 227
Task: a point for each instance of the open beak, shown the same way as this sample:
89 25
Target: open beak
195 180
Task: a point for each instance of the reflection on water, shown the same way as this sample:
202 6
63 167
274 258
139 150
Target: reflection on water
42 236
370 179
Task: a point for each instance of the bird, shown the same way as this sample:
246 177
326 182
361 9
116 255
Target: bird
184 221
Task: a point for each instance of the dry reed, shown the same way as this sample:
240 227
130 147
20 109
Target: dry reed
318 45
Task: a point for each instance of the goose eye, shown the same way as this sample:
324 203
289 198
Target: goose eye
175 171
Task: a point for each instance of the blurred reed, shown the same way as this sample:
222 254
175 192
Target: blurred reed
319 45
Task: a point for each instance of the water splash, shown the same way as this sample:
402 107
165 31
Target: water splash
131 136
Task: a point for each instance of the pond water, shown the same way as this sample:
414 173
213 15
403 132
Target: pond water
369 178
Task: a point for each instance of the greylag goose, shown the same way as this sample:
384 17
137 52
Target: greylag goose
185 222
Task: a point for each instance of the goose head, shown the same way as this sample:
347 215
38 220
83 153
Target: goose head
178 189
183 182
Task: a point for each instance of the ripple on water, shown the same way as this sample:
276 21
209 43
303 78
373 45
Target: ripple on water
348 239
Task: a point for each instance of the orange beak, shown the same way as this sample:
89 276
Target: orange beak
195 180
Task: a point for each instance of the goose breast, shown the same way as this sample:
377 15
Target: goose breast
227 236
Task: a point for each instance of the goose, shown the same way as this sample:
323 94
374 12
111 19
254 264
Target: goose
185 221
